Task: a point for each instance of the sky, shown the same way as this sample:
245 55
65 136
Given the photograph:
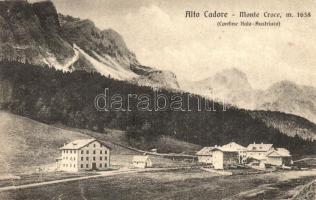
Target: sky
160 36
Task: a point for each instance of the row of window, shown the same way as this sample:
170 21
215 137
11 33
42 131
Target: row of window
70 165
82 151
70 158
87 158
87 165
94 152
69 151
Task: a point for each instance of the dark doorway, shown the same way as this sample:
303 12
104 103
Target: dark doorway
94 166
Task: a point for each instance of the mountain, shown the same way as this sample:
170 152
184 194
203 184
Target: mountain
31 33
52 96
35 33
289 97
230 85
233 86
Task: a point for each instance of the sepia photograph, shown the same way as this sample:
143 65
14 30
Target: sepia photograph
157 100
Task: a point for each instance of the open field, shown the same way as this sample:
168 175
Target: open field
28 145
180 184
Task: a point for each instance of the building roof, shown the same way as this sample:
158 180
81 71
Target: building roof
224 149
259 147
233 146
205 151
279 152
77 144
140 158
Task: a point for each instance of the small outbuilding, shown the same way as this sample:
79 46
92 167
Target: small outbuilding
205 155
279 157
142 161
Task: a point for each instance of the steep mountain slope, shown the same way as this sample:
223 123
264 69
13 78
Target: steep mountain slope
35 33
51 96
230 85
289 97
233 86
288 124
31 33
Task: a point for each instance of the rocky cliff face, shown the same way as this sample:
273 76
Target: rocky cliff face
289 97
30 33
35 33
107 51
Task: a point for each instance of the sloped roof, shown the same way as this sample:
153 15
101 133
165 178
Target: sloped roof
224 149
259 147
140 158
77 144
233 146
205 151
279 152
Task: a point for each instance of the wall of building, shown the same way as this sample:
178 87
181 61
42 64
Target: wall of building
205 159
94 154
218 160
69 160
230 159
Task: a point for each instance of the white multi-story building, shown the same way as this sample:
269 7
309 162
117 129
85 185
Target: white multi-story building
85 154
259 151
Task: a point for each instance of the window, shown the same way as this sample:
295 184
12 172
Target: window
81 166
105 165
105 158
74 151
93 151
74 158
100 157
87 158
93 158
93 145
74 166
100 164
81 151
87 152
105 152
81 158
70 151
100 151
87 165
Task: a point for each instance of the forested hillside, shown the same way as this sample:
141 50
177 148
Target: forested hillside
51 96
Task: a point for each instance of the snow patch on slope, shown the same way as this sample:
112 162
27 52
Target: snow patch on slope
52 61
107 67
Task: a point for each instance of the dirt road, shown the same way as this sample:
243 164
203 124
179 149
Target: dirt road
100 174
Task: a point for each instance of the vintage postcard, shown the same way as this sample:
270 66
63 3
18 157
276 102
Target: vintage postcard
157 99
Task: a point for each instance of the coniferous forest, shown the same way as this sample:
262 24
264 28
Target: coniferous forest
51 96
